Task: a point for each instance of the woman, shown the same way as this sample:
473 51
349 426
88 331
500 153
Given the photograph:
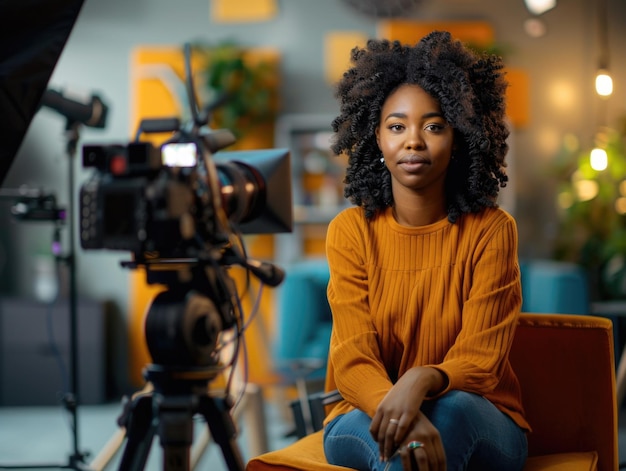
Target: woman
425 283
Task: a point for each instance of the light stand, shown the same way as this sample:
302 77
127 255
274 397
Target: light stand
72 397
71 401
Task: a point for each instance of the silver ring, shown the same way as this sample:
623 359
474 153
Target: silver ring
394 421
414 445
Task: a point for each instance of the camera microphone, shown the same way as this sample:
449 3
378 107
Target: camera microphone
92 113
268 273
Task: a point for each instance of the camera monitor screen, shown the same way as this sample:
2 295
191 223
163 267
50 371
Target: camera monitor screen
30 46
179 154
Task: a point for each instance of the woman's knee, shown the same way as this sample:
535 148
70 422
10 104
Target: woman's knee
472 428
347 441
460 399
458 408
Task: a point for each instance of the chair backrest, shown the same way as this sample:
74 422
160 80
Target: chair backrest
304 320
565 364
554 286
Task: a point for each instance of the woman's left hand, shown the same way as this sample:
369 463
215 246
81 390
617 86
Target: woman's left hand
397 413
423 449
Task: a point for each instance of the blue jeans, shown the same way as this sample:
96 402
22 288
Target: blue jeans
475 436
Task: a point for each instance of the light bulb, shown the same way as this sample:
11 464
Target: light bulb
538 7
598 159
604 83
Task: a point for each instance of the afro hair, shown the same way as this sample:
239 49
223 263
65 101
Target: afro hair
470 88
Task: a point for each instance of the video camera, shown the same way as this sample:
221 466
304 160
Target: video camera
180 208
171 199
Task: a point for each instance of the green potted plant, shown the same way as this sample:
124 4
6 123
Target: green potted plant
244 85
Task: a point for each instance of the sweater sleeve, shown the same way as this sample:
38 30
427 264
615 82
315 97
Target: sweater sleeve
489 315
359 373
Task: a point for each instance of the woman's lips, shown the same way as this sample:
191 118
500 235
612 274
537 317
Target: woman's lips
412 164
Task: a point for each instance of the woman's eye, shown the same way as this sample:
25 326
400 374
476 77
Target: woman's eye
434 127
396 127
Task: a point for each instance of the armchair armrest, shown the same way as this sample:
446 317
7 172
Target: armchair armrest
317 404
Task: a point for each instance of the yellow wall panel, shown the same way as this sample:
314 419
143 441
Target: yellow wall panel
337 47
517 96
242 11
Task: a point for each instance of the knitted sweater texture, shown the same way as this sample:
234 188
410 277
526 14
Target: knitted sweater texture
445 295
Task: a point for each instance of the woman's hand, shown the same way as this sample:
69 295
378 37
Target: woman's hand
398 412
423 449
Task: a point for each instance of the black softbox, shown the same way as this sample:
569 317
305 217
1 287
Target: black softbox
33 34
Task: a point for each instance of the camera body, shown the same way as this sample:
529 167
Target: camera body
140 195
168 199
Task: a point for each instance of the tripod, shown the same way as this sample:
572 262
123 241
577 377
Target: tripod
182 327
178 395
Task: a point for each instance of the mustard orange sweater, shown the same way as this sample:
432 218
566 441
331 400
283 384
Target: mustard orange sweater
443 295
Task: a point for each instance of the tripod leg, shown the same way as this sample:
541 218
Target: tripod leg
140 432
223 430
176 430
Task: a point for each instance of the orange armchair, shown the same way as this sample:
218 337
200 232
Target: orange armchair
565 364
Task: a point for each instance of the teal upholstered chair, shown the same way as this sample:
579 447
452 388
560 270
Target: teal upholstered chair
554 286
304 322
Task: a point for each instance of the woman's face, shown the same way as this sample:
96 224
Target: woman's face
415 140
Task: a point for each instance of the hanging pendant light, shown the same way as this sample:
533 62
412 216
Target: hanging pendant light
598 159
539 7
604 82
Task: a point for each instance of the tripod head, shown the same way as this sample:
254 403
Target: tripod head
184 322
